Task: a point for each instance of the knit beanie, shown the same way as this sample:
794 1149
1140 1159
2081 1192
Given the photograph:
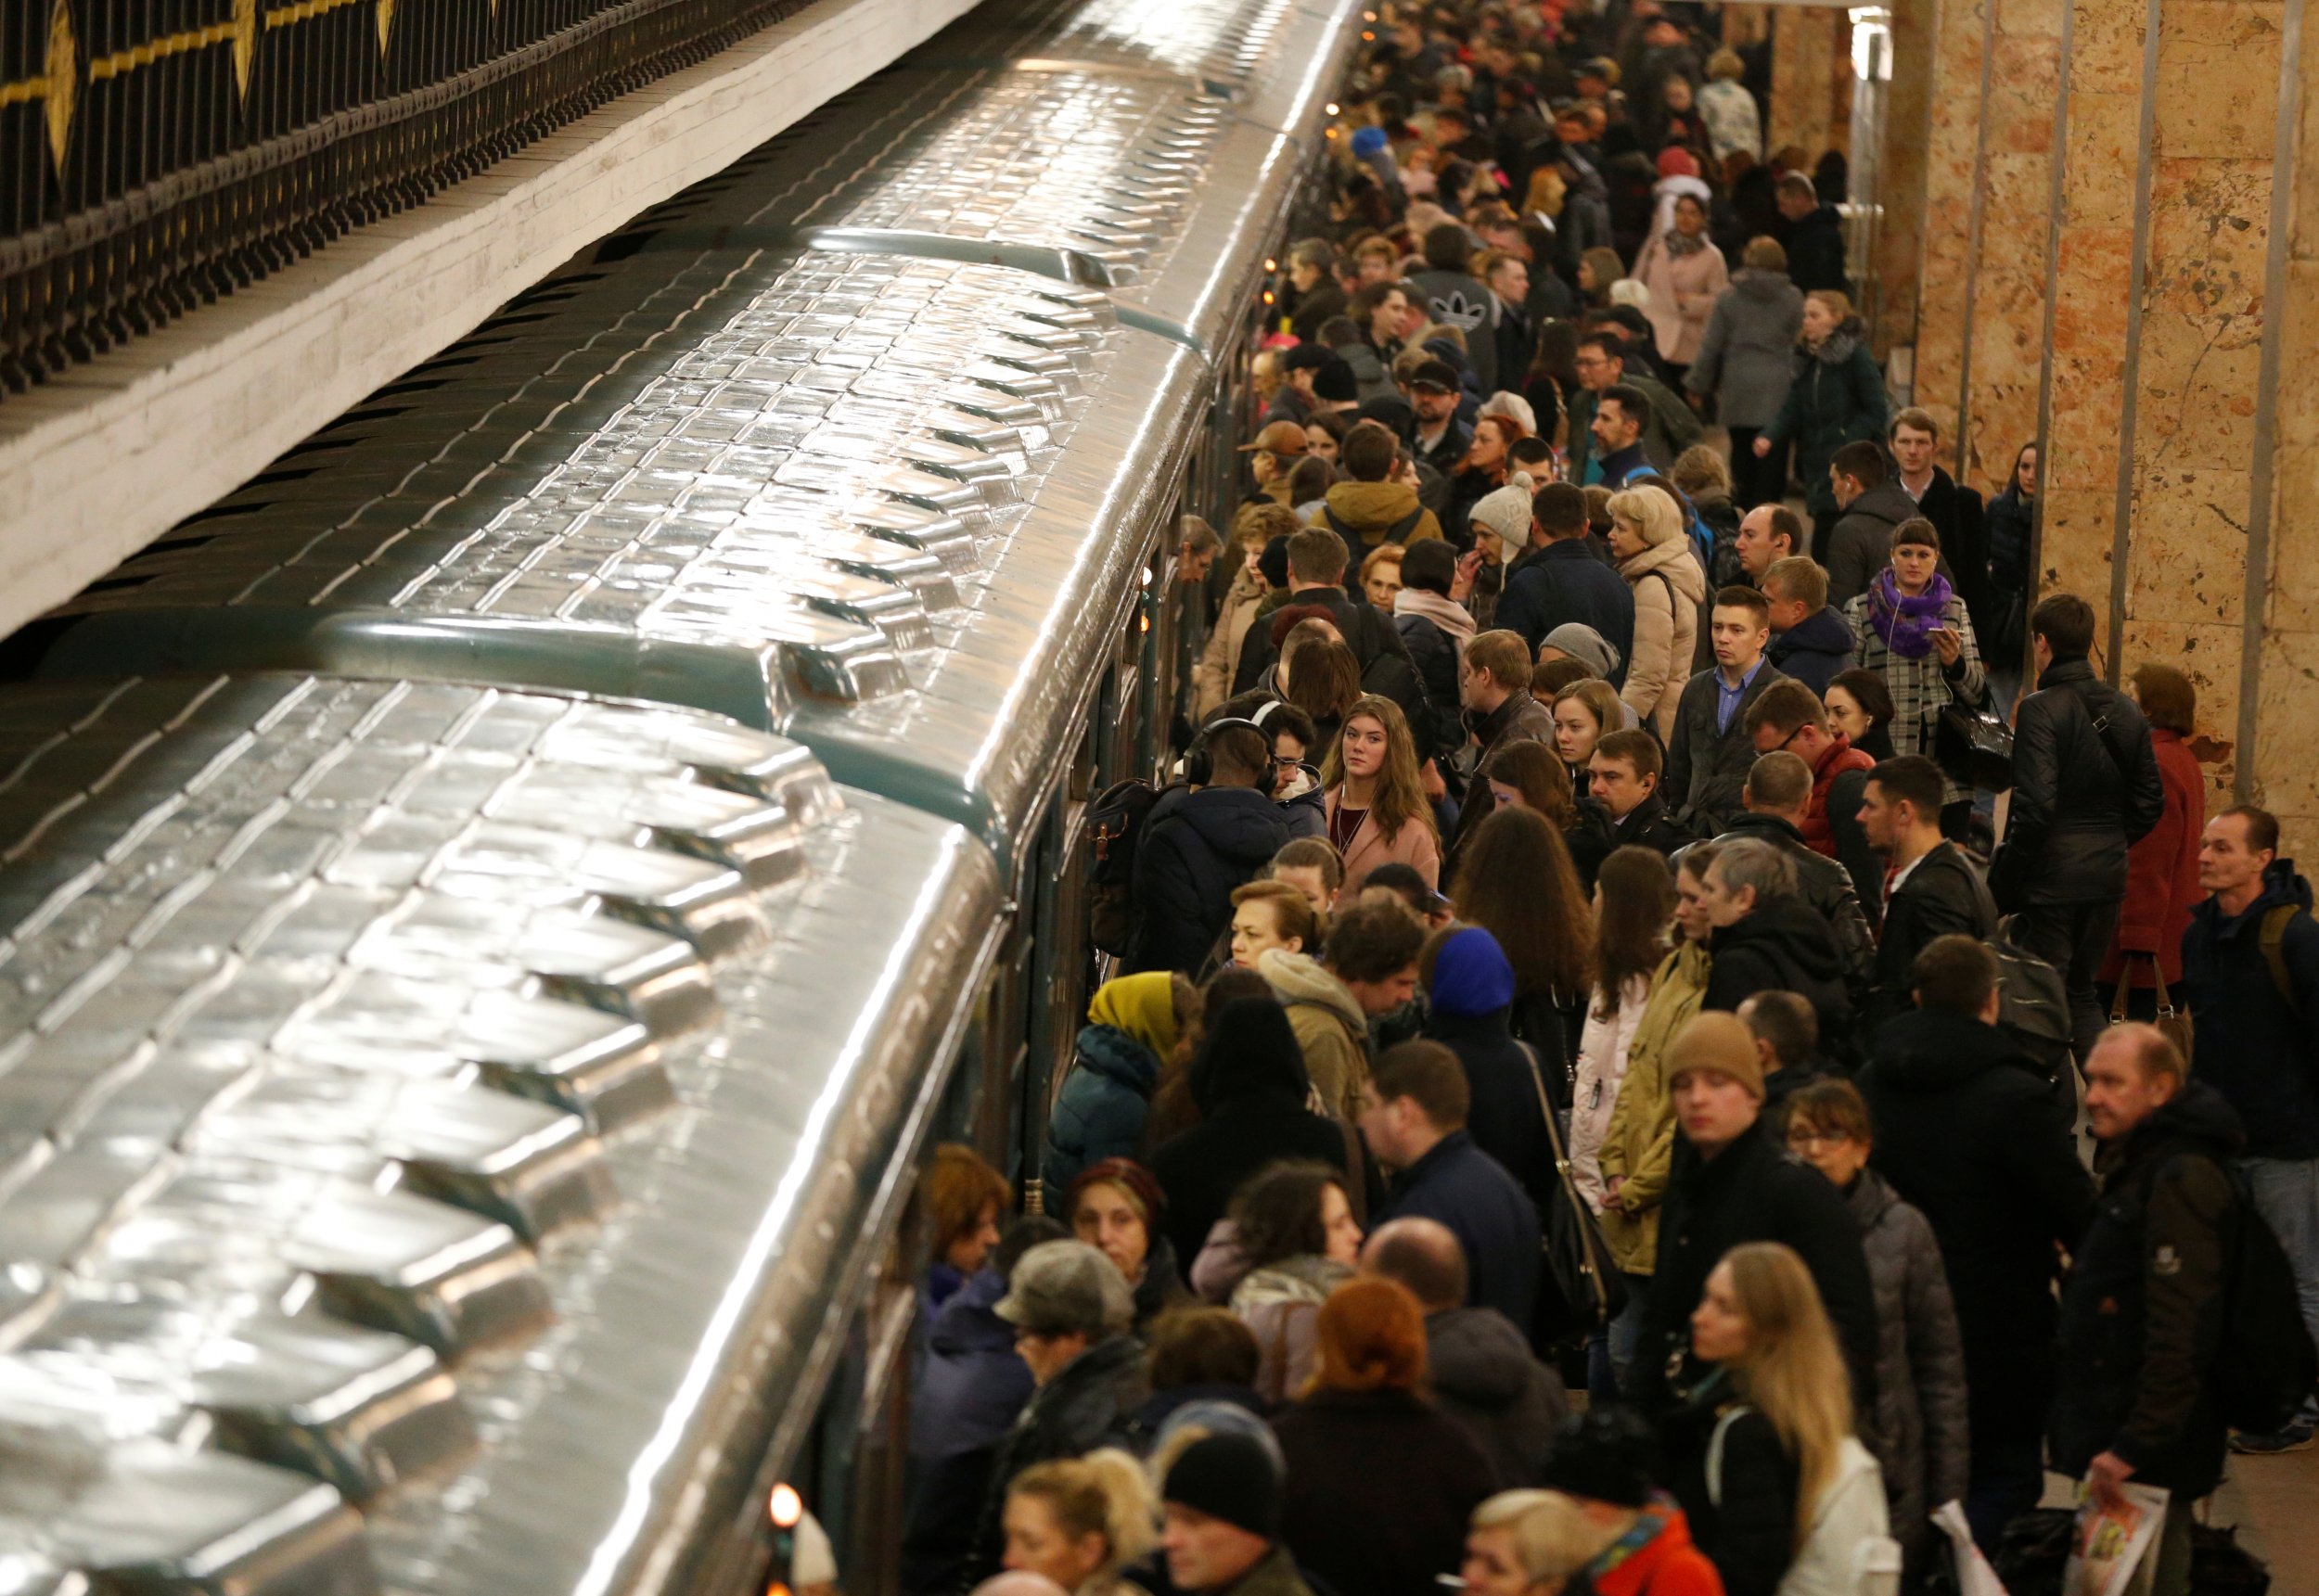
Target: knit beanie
1228 1476
1471 976
1721 1042
1505 513
1587 645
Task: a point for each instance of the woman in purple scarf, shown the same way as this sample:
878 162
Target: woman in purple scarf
1914 632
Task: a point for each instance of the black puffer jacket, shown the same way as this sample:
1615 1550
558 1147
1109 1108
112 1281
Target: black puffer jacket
1786 946
1482 1373
1826 886
1965 1132
1918 1429
2142 1310
1943 894
1433 655
1197 848
2082 795
1753 1191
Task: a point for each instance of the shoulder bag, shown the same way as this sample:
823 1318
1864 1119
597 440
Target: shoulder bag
1583 1290
2171 1022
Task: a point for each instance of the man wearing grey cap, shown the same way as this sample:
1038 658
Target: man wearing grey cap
1071 1310
1222 1532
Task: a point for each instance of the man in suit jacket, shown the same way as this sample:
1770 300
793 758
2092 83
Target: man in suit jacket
1708 756
1934 890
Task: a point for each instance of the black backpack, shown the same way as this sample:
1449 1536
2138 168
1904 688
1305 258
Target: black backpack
2267 1365
1115 823
2032 1003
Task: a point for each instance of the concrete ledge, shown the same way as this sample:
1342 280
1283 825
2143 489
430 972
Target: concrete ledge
97 463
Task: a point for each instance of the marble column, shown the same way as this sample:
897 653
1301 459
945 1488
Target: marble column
1900 241
1808 47
1981 323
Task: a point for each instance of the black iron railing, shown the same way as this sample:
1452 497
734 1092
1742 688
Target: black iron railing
154 154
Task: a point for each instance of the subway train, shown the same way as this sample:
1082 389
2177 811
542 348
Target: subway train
494 913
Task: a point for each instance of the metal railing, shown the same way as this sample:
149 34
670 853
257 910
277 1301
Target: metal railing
157 154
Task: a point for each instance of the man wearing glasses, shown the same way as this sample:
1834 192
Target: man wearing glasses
1667 426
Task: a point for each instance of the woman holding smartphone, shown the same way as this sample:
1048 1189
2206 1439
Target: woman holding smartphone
1915 632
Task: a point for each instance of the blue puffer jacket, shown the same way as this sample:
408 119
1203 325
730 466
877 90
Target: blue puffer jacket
1100 1113
1815 648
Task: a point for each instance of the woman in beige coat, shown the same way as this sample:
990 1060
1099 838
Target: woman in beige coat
1685 272
1375 798
1655 557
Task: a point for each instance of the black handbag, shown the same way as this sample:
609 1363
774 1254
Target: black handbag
1975 747
1581 1291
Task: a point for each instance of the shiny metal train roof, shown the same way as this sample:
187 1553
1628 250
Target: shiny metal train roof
830 444
436 1101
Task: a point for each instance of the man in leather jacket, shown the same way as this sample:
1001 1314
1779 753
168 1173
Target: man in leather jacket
2085 790
1934 890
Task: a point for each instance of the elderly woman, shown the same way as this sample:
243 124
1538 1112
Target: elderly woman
1646 540
1118 1208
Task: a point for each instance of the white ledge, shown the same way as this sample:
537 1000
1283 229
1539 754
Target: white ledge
99 462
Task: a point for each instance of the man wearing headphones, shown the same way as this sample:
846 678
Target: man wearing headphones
1203 838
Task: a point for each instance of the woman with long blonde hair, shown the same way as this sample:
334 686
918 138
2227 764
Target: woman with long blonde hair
1762 1450
1079 1521
1375 798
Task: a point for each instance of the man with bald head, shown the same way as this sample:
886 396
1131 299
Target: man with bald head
1478 1362
1767 534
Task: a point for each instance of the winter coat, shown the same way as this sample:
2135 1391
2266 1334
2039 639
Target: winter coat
2253 1046
1435 631
2011 523
1922 688
1638 1145
1831 817
1669 587
2162 872
1316 305
1372 1530
1518 718
1330 1027
1943 895
1564 582
1457 300
1253 1113
1369 632
1815 648
971 1390
1211 678
1753 1191
2142 1310
1965 1134
1480 1369
1746 357
1367 514
1415 845
1372 378
1648 824
2081 799
1099 1113
1825 887
1918 1430
1655 1557
1955 513
1280 1303
1815 251
1750 1536
1671 427
1494 1219
1861 543
1684 291
1088 1404
1706 769
1733 122
1784 946
1834 396
1505 1118
1197 848
1160 1288
1602 1055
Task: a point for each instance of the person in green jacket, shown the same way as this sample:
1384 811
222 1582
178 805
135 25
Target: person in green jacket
1837 396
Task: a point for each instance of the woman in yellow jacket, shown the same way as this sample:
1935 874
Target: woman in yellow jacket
1639 1143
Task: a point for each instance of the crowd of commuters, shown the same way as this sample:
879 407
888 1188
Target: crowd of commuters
1587 831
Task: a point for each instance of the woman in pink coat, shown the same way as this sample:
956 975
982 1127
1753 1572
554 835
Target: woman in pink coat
1685 272
1374 799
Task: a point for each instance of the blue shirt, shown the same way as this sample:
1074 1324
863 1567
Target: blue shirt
1727 696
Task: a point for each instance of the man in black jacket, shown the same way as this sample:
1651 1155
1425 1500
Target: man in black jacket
1934 890
1434 628
2142 1310
1708 756
1732 1183
1317 558
1768 939
1813 233
1779 788
1964 1131
1622 776
1494 685
1199 844
2085 790
1558 581
1860 544
1954 512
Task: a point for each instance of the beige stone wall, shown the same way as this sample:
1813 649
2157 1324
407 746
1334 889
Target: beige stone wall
1900 244
1809 46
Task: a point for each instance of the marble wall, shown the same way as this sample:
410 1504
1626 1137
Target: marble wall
1900 240
1809 46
